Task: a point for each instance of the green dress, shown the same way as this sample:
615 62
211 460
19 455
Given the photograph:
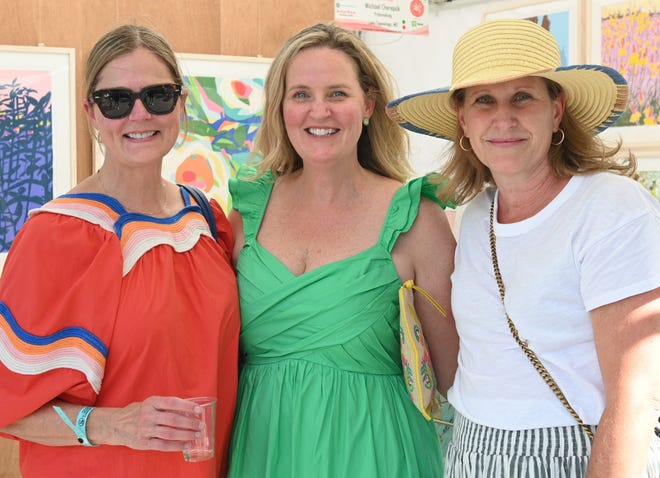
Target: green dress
321 390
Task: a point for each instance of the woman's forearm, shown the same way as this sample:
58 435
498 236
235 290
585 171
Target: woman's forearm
44 426
622 443
158 423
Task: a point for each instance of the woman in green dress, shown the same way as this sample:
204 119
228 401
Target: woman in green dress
327 229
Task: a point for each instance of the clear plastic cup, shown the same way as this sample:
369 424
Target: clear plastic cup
203 447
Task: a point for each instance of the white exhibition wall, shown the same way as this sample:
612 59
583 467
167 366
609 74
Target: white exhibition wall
423 62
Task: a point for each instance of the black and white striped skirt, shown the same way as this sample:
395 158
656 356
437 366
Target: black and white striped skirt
478 451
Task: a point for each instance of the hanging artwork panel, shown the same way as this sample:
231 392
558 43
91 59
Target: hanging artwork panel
625 36
224 109
37 132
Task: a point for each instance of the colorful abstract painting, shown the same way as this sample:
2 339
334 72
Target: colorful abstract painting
37 132
630 40
224 110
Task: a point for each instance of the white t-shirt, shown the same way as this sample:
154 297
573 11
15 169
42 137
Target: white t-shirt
596 243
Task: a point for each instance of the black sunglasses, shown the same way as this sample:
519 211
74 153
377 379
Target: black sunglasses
116 103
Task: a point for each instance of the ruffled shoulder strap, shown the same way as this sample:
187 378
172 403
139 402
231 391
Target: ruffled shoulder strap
405 207
249 197
432 183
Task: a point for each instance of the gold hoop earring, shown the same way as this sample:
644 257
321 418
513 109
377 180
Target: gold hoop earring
460 144
563 136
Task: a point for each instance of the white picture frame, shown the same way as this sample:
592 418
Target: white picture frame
37 132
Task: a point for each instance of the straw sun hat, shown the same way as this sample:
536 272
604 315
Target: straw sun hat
503 50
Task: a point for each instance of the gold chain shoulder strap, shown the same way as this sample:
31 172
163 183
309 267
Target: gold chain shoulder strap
533 358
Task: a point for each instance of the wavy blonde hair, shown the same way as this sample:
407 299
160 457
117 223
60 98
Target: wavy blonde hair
383 145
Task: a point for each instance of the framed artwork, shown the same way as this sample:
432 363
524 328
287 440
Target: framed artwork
37 132
625 36
649 174
224 108
561 18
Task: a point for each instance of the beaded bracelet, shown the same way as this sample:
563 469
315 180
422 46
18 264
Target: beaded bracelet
80 428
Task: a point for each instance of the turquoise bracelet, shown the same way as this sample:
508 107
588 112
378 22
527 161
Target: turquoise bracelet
80 428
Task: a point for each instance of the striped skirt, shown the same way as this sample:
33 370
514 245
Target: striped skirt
478 451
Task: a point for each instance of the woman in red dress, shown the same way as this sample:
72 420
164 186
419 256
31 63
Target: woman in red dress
116 302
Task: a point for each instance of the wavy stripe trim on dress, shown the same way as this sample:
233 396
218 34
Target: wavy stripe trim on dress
137 233
71 347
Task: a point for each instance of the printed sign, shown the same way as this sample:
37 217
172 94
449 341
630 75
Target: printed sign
396 16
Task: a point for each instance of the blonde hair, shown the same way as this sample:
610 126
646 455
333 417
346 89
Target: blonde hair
126 39
463 176
383 145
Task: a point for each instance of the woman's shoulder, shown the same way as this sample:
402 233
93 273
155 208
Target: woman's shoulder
92 208
415 210
428 186
248 187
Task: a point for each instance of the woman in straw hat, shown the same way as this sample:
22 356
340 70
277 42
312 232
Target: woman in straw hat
556 288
